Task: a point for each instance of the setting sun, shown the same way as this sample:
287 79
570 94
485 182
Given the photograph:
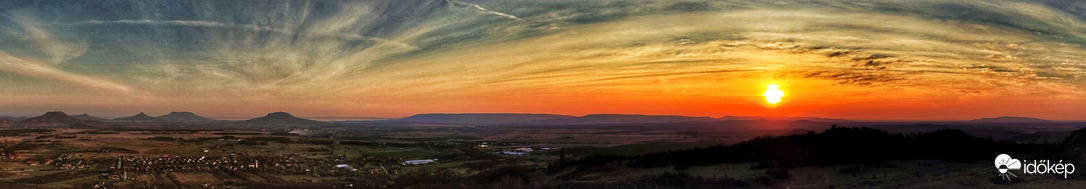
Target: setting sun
773 93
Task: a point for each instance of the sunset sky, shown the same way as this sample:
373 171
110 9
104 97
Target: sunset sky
879 60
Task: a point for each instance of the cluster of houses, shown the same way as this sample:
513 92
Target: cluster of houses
518 151
285 164
524 150
419 162
62 162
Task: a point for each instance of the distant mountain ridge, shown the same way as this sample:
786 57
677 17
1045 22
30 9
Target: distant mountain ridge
556 119
478 118
622 118
184 117
1010 119
784 118
281 119
13 118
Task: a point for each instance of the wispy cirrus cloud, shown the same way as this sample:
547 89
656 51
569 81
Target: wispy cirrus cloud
254 27
56 50
16 65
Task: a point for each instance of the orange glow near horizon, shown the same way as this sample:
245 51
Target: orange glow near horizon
702 96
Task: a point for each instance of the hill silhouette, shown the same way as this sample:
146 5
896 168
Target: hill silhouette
52 119
141 117
837 145
1074 149
91 118
184 117
282 119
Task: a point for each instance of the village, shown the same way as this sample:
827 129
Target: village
120 166
114 169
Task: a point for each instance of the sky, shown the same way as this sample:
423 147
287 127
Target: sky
877 60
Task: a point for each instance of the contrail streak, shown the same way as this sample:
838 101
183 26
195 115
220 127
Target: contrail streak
480 9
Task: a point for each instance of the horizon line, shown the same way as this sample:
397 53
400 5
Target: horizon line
371 118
